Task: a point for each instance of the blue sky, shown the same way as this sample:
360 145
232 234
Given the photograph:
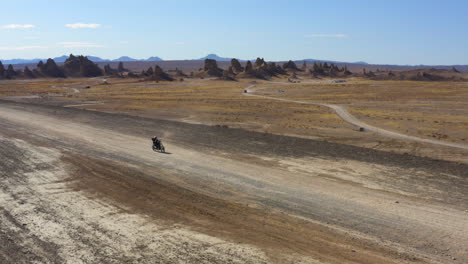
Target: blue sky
391 32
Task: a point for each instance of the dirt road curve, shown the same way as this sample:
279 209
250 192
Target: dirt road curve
348 117
85 187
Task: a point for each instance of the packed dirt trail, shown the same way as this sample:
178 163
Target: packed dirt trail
348 117
85 187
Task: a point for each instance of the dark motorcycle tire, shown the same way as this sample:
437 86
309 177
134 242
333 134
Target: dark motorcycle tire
161 149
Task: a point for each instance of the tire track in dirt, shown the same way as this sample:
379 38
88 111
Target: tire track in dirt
302 192
348 117
138 192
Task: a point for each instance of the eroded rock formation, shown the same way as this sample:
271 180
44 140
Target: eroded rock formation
211 68
236 66
50 69
81 66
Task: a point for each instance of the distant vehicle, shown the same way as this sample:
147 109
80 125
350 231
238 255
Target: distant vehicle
339 81
160 148
158 145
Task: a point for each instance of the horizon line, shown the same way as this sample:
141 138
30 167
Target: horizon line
200 59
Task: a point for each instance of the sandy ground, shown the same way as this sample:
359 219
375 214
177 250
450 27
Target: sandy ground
85 187
400 116
348 117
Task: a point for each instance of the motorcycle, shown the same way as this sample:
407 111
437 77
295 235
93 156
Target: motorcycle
159 148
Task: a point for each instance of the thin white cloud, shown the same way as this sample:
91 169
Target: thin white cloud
18 26
326 36
80 45
23 47
124 42
82 25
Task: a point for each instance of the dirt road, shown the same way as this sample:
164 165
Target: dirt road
85 187
348 117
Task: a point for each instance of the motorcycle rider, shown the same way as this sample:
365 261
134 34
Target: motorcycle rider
156 142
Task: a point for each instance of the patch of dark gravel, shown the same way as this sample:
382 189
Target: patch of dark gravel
240 141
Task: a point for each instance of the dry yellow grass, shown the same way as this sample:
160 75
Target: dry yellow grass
425 109
211 102
35 87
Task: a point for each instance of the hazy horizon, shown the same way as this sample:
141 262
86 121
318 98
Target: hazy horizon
241 59
414 33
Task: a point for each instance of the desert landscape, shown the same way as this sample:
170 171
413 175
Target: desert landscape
257 170
132 148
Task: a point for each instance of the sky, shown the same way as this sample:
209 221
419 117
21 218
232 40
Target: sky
382 32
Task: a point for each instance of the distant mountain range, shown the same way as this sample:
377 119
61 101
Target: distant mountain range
214 57
154 59
20 61
125 58
357 65
218 58
62 59
335 62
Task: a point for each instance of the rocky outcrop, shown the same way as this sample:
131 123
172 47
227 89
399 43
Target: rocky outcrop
149 72
250 72
228 75
259 63
27 73
157 74
346 72
280 70
211 68
130 75
236 66
326 70
81 66
248 68
290 66
10 72
121 68
370 74
425 75
40 65
179 73
2 71
71 65
89 68
37 73
50 69
231 71
109 71
270 69
261 70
